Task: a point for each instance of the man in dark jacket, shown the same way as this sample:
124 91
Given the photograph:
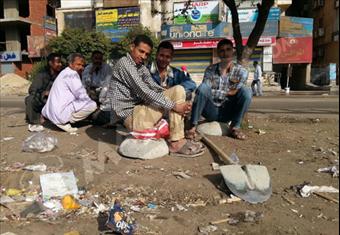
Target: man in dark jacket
39 90
167 76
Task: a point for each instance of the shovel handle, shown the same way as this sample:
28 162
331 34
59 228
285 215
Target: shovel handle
223 156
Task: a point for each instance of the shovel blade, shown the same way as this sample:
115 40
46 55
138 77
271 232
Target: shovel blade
250 182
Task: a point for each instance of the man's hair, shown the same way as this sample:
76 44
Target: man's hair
71 58
96 52
52 56
256 62
224 42
143 39
166 45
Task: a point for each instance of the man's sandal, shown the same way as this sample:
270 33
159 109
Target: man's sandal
189 150
237 134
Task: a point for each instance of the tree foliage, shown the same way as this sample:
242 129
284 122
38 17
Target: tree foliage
121 48
81 41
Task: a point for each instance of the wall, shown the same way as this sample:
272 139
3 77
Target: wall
67 4
11 9
37 12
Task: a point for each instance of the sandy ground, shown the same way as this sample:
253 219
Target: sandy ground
292 149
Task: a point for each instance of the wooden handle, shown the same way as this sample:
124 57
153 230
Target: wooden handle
224 157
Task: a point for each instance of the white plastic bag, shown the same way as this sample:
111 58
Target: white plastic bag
39 142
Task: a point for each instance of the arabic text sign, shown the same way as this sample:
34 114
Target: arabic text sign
296 27
199 31
250 15
115 23
10 56
198 12
293 51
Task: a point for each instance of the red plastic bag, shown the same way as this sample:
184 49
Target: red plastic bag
161 131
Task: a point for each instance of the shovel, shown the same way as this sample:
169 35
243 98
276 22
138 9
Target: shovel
249 182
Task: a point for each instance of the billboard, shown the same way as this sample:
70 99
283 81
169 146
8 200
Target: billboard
198 12
296 27
36 45
115 23
251 14
199 31
293 51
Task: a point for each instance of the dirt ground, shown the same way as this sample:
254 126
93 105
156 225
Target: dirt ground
292 149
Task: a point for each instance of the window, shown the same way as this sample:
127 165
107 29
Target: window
336 4
24 9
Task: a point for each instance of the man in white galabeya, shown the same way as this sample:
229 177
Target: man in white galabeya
68 101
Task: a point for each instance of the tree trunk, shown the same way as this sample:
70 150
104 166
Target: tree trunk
244 52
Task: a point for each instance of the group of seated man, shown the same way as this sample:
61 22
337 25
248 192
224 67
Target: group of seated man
140 94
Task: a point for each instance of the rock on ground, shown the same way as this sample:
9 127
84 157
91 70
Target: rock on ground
12 84
144 149
213 128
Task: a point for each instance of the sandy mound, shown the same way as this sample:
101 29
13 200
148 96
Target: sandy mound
12 84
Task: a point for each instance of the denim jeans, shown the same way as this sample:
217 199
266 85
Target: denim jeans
233 109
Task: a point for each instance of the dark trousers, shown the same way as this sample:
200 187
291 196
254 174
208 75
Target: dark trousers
232 110
33 110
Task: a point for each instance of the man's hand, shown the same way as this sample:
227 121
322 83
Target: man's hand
232 92
45 94
183 109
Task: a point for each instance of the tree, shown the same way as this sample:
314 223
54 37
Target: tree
243 52
120 49
81 41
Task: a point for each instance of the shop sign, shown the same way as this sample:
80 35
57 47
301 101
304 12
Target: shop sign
197 12
199 31
293 51
271 29
10 56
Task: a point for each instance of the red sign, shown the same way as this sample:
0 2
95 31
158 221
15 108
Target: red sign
264 41
293 51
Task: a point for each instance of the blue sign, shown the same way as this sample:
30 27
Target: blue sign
294 27
251 15
270 30
332 72
197 31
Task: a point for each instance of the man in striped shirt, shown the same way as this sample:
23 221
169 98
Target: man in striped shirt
141 103
223 96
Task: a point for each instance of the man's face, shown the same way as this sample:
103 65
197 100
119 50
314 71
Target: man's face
140 53
56 64
226 53
164 58
97 59
78 65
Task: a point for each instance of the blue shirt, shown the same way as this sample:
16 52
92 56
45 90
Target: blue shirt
174 77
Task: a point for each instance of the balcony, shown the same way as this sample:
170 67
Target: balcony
284 4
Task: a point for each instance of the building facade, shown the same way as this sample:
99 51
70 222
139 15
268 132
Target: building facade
23 33
326 34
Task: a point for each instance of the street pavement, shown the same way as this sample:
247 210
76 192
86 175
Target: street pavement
323 105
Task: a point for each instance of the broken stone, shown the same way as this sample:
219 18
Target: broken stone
207 229
215 166
144 149
213 128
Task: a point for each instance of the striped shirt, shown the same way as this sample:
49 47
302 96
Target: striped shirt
132 85
221 85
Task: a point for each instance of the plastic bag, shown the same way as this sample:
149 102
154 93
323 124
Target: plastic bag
160 131
39 142
118 221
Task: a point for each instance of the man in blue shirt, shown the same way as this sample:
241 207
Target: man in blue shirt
223 95
167 76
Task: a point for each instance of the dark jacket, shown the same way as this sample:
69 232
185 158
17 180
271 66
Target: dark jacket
42 82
